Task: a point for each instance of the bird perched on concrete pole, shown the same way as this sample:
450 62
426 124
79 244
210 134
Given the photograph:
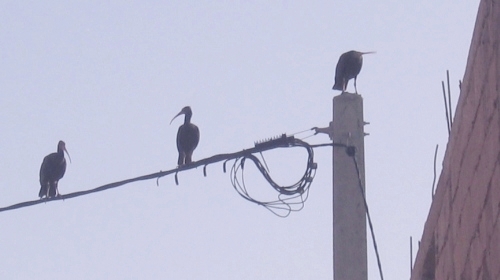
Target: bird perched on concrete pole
52 170
188 137
348 67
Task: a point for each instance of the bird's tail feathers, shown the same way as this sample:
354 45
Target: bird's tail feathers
43 191
337 86
53 189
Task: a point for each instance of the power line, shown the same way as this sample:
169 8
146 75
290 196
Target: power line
351 151
280 142
290 198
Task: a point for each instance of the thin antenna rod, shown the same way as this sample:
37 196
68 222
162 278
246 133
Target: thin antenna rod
434 180
411 256
446 109
449 98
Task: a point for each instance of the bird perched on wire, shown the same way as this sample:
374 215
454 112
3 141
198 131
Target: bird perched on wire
188 137
348 67
52 170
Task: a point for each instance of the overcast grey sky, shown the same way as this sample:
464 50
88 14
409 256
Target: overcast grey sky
107 77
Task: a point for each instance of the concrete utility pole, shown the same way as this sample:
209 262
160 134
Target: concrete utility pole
349 213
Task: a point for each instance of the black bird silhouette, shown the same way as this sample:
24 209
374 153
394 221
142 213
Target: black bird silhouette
348 67
188 137
52 170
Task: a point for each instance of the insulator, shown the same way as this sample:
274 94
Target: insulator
282 140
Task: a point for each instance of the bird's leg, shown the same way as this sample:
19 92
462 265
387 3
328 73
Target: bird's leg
53 190
188 157
355 88
180 160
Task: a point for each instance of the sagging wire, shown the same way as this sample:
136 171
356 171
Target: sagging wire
351 151
290 198
265 163
281 142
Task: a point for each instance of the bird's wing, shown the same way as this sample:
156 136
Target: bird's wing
196 131
43 179
61 169
43 170
180 134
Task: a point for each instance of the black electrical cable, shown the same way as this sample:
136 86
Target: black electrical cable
281 142
290 198
368 216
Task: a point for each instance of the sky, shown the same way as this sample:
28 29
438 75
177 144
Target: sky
108 76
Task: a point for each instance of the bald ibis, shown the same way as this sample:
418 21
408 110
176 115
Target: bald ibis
348 67
188 137
52 170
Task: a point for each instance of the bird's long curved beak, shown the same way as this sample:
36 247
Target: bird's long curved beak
67 154
180 113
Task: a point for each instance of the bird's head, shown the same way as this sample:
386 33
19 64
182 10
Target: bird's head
61 146
186 111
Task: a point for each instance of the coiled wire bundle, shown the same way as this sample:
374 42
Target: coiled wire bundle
289 198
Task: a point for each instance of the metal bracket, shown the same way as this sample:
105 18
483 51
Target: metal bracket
326 130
